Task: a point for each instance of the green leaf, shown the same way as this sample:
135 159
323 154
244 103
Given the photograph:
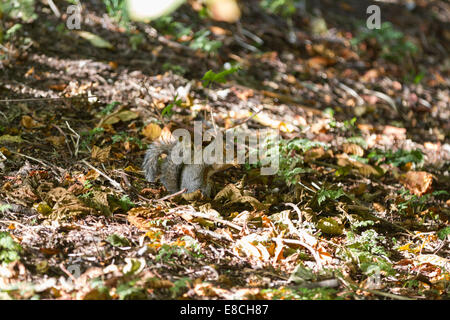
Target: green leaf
95 40
324 195
212 77
443 233
9 249
118 241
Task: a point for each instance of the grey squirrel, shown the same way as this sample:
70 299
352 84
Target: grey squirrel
176 177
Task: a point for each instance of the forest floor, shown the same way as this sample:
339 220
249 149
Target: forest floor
360 205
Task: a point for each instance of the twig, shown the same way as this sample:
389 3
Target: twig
45 99
303 244
213 234
170 196
299 213
245 120
222 221
330 283
65 137
31 158
76 144
384 97
114 183
61 265
54 8
352 92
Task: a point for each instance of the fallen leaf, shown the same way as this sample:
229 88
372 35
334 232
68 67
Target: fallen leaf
320 62
314 153
152 131
330 226
29 123
95 40
100 154
353 148
417 182
124 116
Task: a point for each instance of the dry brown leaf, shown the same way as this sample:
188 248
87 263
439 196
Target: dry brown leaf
56 141
29 123
152 131
100 154
314 153
66 204
399 133
58 86
367 170
218 31
125 115
417 182
379 207
266 120
353 148
320 62
371 74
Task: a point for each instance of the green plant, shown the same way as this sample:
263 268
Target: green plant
167 252
444 233
19 9
415 204
123 137
129 291
90 136
174 68
180 286
167 111
136 40
9 249
167 25
5 207
125 203
116 9
291 163
201 41
11 31
324 195
284 8
118 241
398 158
358 140
367 251
391 43
211 77
109 108
288 293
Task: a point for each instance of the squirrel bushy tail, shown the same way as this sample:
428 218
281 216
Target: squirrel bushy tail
168 170
150 165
